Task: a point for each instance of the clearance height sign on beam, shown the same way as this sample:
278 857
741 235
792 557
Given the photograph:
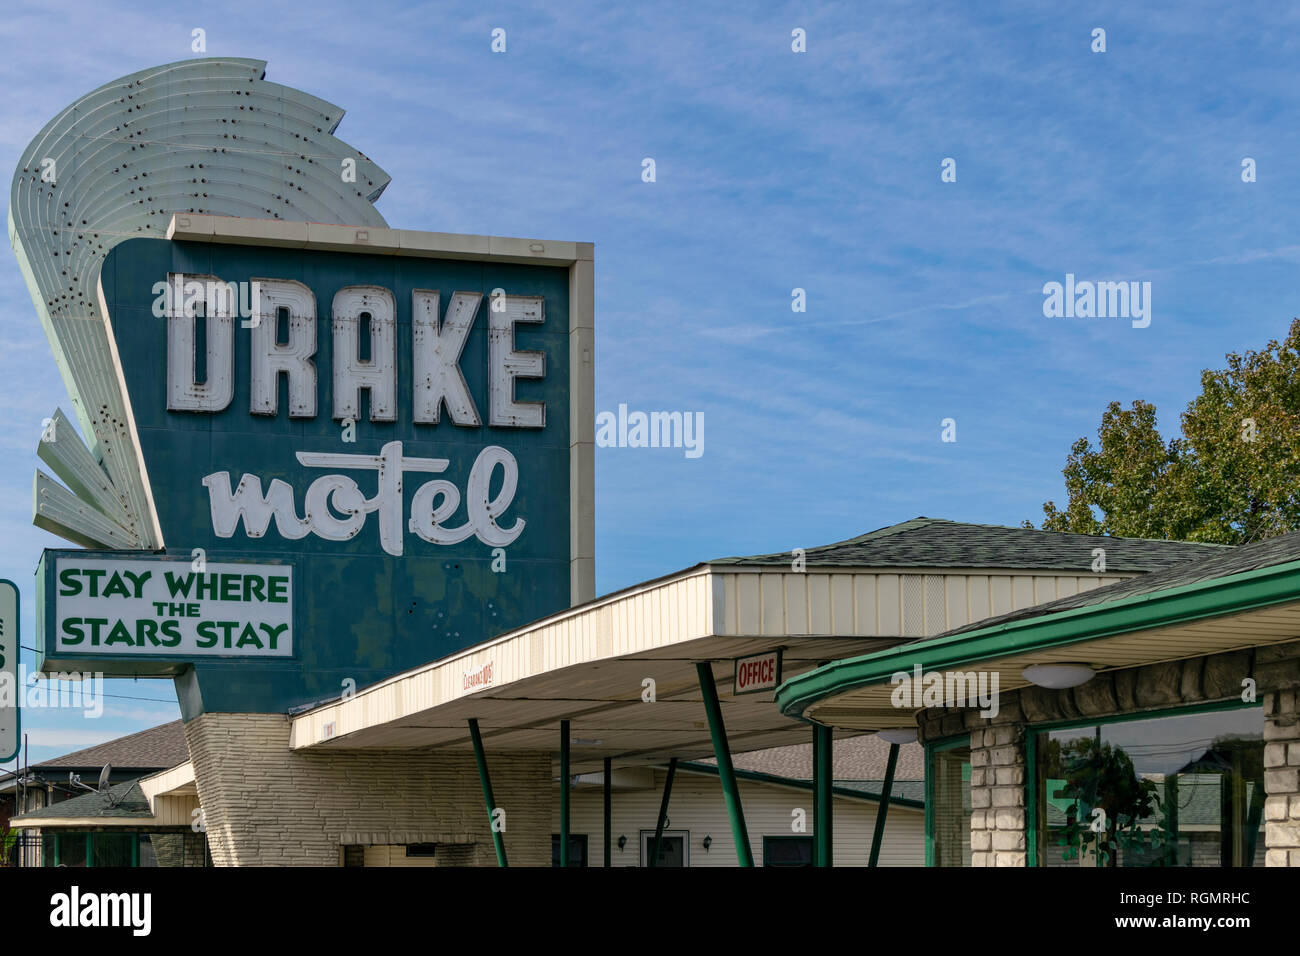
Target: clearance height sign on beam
135 610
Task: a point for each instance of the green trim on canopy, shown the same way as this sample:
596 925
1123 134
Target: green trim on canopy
1216 597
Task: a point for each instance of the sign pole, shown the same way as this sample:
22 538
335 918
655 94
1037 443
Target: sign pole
486 781
884 804
608 802
663 811
564 794
823 781
730 791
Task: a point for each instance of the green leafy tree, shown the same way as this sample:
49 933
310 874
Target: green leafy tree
1101 778
8 840
1232 476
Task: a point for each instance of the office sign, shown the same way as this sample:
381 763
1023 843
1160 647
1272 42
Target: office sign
758 672
11 694
142 609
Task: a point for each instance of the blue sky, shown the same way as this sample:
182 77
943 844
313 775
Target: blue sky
775 170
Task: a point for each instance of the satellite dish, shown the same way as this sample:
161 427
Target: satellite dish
74 780
103 787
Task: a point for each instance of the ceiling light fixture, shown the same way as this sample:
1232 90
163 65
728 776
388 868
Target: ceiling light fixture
1058 676
898 735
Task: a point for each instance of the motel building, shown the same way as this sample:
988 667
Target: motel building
69 822
150 816
335 480
775 788
1164 707
396 774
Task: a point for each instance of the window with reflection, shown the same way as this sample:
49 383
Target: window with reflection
1173 790
949 806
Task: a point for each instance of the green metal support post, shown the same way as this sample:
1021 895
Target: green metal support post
497 840
878 835
663 811
726 773
823 781
609 790
564 794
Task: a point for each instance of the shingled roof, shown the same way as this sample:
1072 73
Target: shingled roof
857 763
939 543
158 748
121 800
852 758
1217 564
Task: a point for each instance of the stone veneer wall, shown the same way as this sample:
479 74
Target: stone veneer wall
265 805
1282 777
998 776
177 849
997 796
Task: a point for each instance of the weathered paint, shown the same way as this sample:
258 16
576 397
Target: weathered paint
60 511
62 450
361 612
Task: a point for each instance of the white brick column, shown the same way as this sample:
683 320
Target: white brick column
997 793
1282 778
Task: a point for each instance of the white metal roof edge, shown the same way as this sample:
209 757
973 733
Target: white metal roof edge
312 727
41 823
166 781
300 735
195 227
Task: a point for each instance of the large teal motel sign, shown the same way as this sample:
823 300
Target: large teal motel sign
361 460
302 457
